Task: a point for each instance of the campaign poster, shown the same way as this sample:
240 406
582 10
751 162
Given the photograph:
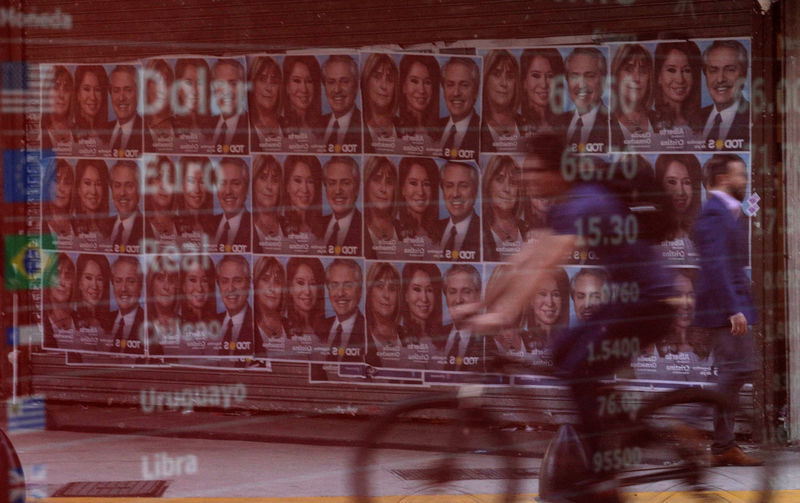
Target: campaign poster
585 123
92 110
459 134
307 205
265 87
163 198
196 106
230 224
341 334
459 230
59 321
723 122
505 207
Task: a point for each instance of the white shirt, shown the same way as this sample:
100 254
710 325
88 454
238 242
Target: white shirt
344 226
461 231
230 125
461 131
129 319
588 123
463 342
237 320
727 120
234 223
344 123
347 329
127 227
125 130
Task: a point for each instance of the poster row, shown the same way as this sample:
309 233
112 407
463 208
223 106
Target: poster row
376 207
349 318
689 95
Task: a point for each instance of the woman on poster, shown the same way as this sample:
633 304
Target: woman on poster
503 227
163 316
269 285
510 341
302 217
418 112
59 321
384 339
542 90
305 309
91 208
267 203
420 310
548 312
160 206
677 95
92 310
631 98
679 177
418 207
302 86
196 205
380 201
379 87
91 112
192 75
264 99
57 122
500 130
198 310
57 215
159 121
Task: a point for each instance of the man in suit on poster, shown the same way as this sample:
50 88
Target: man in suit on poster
236 321
461 83
461 232
343 225
586 290
126 131
125 331
230 130
345 331
460 348
343 125
232 227
586 69
724 302
127 228
728 118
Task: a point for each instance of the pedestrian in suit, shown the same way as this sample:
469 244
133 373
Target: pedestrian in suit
724 302
725 68
343 124
462 230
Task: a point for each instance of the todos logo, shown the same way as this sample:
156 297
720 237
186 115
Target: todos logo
460 254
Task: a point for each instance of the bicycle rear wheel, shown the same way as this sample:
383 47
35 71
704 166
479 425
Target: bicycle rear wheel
673 438
405 459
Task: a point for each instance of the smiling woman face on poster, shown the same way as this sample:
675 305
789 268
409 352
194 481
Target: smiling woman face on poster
631 97
501 94
542 89
379 87
57 123
264 99
91 110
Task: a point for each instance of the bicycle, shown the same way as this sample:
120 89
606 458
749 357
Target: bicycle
480 461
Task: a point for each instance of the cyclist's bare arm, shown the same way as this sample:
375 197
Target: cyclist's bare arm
508 300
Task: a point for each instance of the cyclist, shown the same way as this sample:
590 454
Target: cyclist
636 308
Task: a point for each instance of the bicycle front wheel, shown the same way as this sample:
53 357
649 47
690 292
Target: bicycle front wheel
405 458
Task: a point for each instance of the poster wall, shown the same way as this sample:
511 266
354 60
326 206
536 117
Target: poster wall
334 207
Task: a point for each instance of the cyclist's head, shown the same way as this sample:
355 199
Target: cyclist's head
542 173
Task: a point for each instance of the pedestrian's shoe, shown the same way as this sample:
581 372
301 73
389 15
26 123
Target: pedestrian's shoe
734 456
